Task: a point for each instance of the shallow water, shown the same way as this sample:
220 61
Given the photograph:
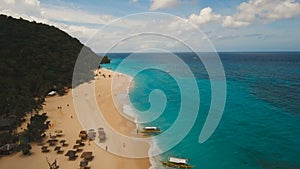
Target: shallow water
260 127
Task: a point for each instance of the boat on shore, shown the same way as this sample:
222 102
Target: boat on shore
150 130
177 162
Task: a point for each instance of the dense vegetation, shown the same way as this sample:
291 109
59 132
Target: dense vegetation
34 59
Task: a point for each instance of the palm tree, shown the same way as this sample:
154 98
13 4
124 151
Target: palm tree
25 148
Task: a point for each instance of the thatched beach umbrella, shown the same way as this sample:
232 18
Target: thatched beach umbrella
84 163
44 147
58 131
71 153
62 141
52 141
83 135
86 154
57 148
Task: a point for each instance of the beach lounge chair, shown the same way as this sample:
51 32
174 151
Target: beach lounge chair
101 136
92 135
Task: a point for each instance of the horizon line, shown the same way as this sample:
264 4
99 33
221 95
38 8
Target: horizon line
266 51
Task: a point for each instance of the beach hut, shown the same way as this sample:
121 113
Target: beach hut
4 126
8 149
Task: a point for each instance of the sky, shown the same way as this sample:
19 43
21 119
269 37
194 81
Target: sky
169 25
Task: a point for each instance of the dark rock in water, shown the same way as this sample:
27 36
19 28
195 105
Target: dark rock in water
105 60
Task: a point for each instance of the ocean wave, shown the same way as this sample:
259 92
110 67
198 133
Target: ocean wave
127 110
152 153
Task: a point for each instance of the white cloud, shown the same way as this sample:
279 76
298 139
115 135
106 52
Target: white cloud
230 22
282 10
263 11
206 15
81 32
9 1
162 4
71 15
57 16
83 24
27 9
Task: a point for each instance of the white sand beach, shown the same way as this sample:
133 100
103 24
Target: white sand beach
67 121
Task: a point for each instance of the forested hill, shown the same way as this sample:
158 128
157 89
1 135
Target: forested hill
34 59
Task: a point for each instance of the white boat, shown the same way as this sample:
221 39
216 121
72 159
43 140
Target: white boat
150 130
177 162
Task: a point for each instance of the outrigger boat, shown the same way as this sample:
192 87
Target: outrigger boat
177 163
150 130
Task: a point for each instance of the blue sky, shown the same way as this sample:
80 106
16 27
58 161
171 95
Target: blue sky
235 25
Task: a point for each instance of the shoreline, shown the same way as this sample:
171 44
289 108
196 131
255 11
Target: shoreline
133 117
68 121
116 96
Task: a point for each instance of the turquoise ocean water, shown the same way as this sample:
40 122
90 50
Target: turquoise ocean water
260 126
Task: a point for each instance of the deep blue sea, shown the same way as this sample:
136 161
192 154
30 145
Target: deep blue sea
260 126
